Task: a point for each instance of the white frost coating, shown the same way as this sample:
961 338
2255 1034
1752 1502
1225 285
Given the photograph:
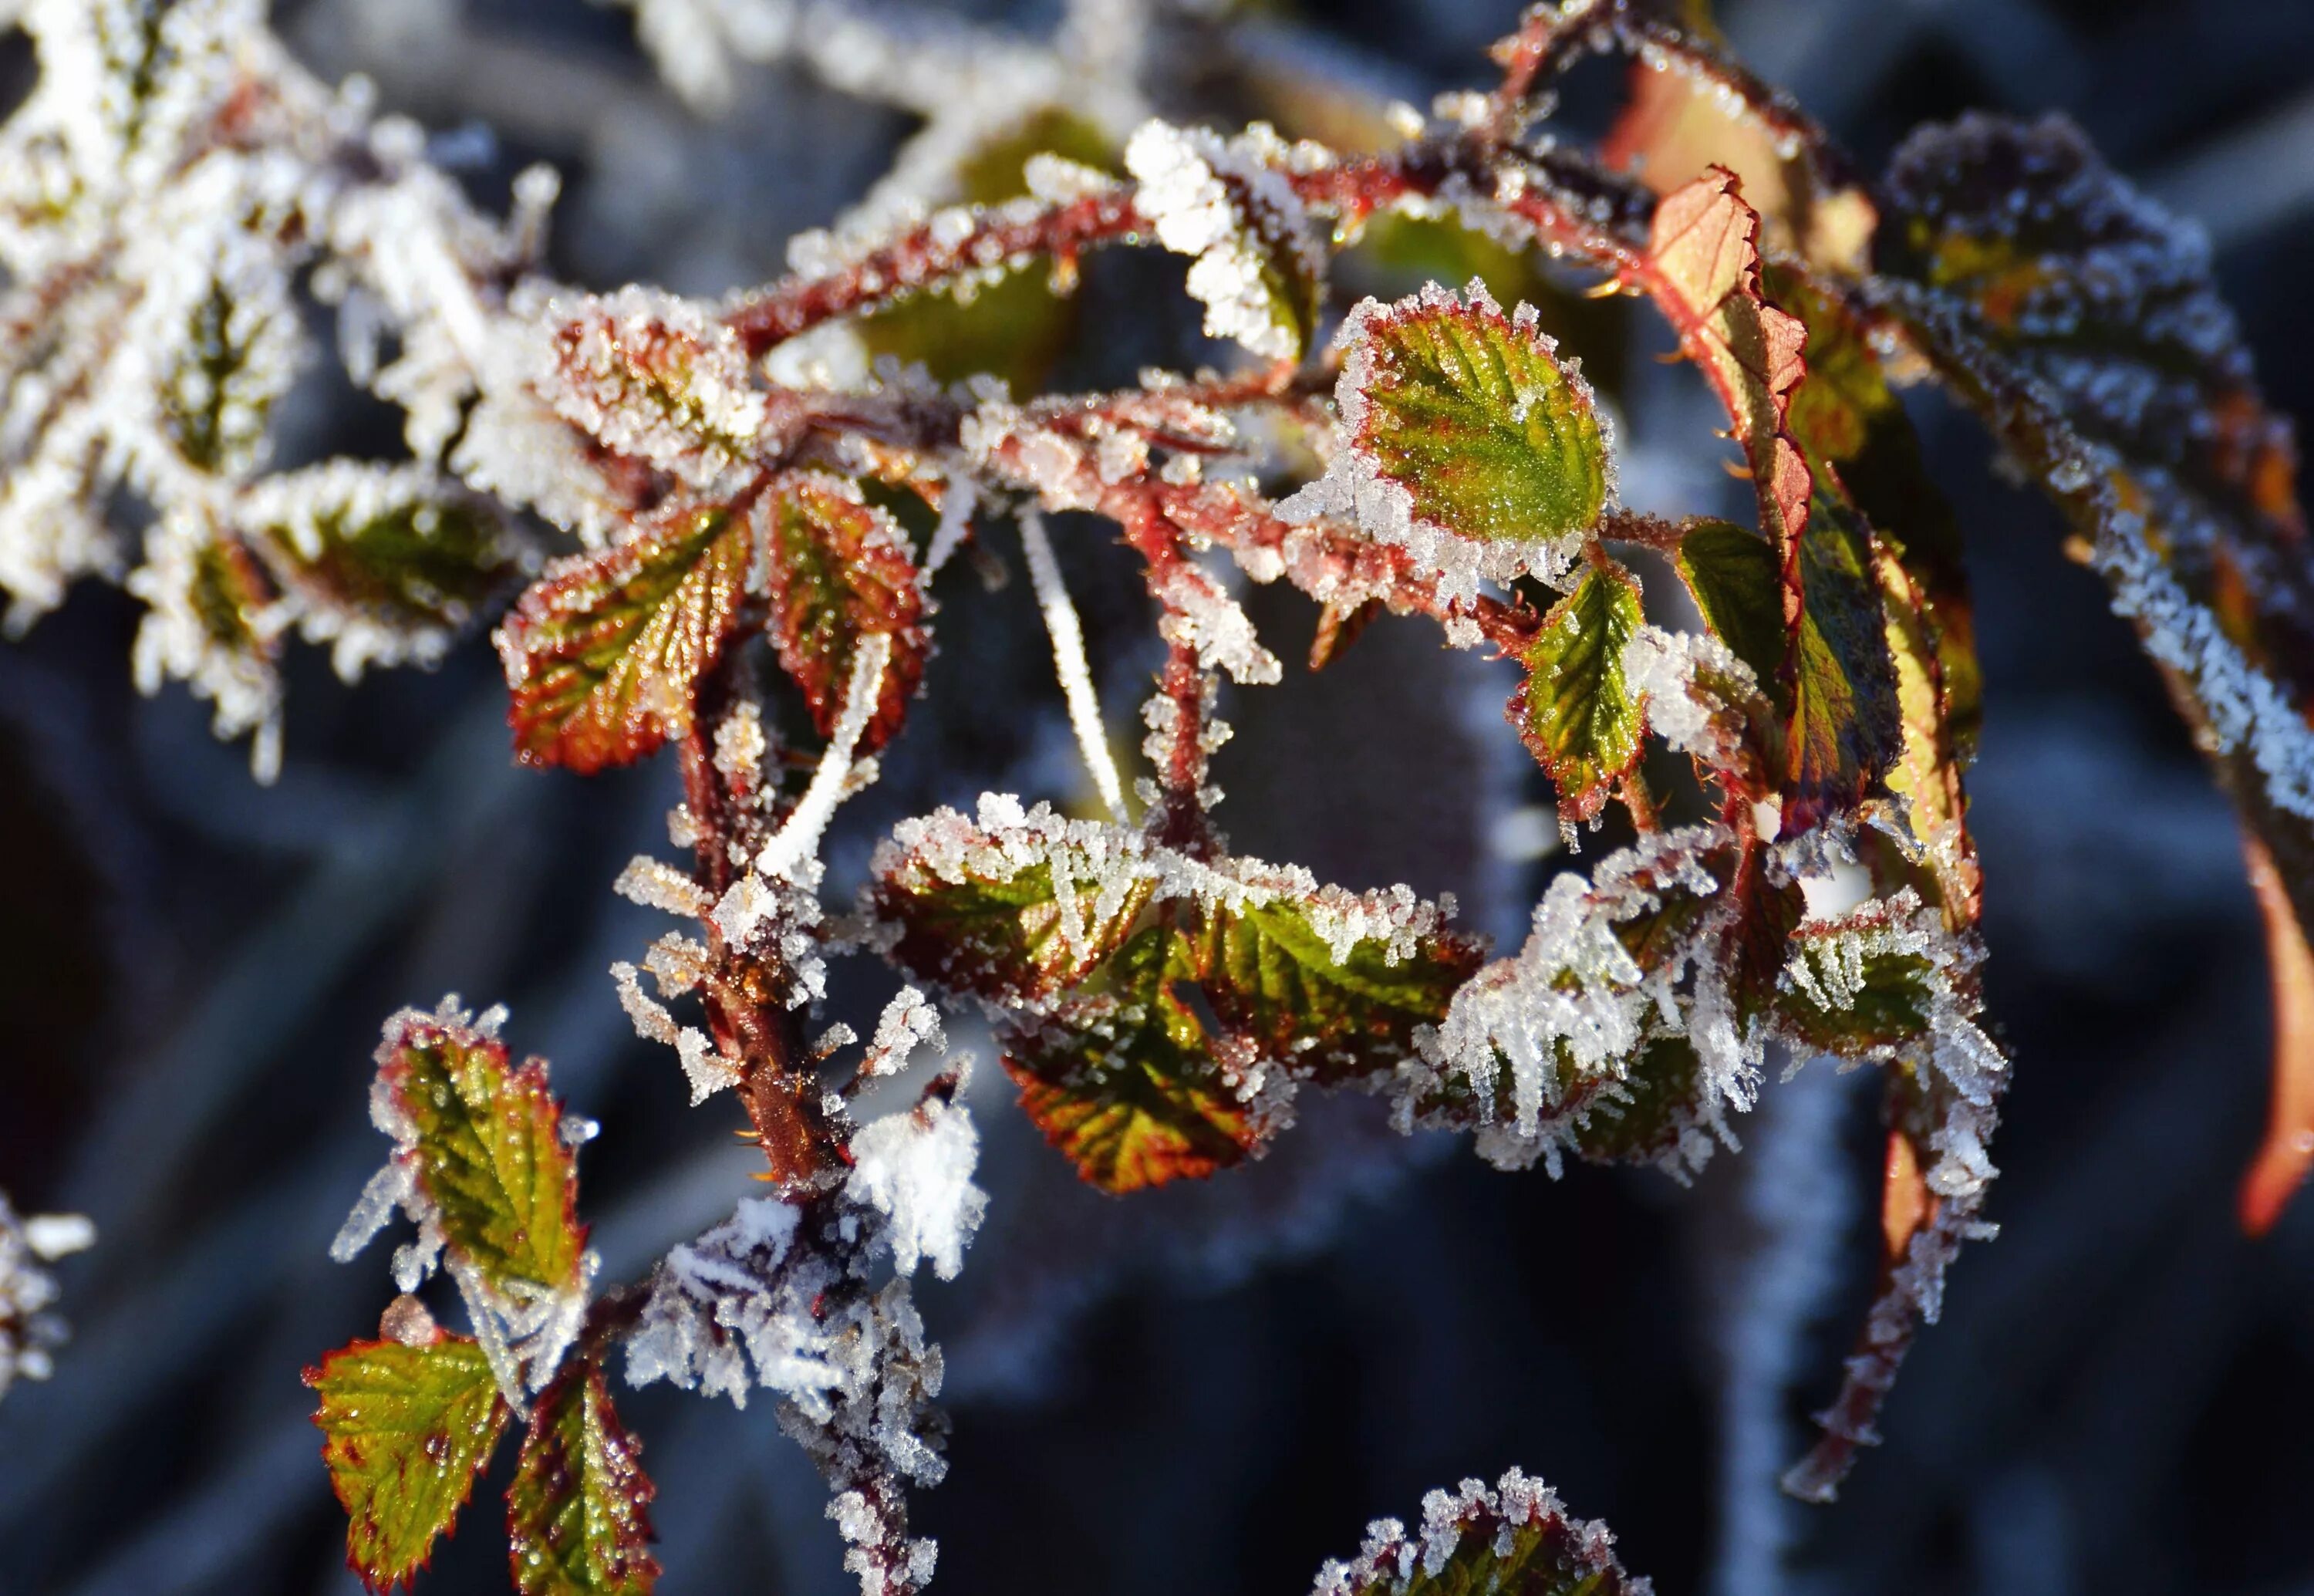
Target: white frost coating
1200 613
1471 1516
909 1022
959 496
175 643
916 1169
793 854
1069 661
704 1067
30 1332
524 1328
1228 205
1355 488
655 884
657 376
1695 690
1574 990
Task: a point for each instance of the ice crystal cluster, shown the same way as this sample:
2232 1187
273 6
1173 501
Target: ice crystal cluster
30 1328
725 523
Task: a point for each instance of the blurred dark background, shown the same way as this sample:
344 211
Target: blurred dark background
1210 1388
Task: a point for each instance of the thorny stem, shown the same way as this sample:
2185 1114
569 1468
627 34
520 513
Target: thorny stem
747 1014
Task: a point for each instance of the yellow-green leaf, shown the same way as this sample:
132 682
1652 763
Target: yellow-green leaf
1575 709
578 1511
406 1429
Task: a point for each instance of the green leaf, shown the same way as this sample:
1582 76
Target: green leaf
234 359
1472 414
977 909
1851 1005
1270 974
1575 710
1123 1082
1846 726
401 549
577 1512
1842 726
1731 572
604 650
1513 1540
1642 1118
488 1150
840 573
406 1430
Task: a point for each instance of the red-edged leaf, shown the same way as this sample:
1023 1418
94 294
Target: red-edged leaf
578 1511
655 377
1575 709
603 651
1513 1540
840 573
1703 272
488 1150
406 1430
1124 1082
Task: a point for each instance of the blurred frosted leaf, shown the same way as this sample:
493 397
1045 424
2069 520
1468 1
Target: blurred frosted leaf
211 621
1515 1539
604 650
235 354
1123 1082
652 375
1258 267
388 562
1013 328
577 1512
841 572
1575 710
406 1429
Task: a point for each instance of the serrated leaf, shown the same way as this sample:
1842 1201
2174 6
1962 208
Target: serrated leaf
649 376
489 1152
1642 1120
1704 273
1575 711
399 548
578 1511
840 572
978 911
232 358
1513 1540
1123 1083
1271 977
604 650
1470 413
406 1430
1849 1006
1839 701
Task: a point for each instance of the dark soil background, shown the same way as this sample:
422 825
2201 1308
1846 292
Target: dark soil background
1207 1389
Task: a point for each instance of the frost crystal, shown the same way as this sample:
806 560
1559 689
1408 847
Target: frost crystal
1227 204
30 1332
916 1169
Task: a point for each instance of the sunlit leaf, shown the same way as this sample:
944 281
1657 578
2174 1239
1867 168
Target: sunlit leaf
1272 976
577 1512
406 1429
840 573
1123 1082
1575 709
1473 418
604 650
488 1150
1703 270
